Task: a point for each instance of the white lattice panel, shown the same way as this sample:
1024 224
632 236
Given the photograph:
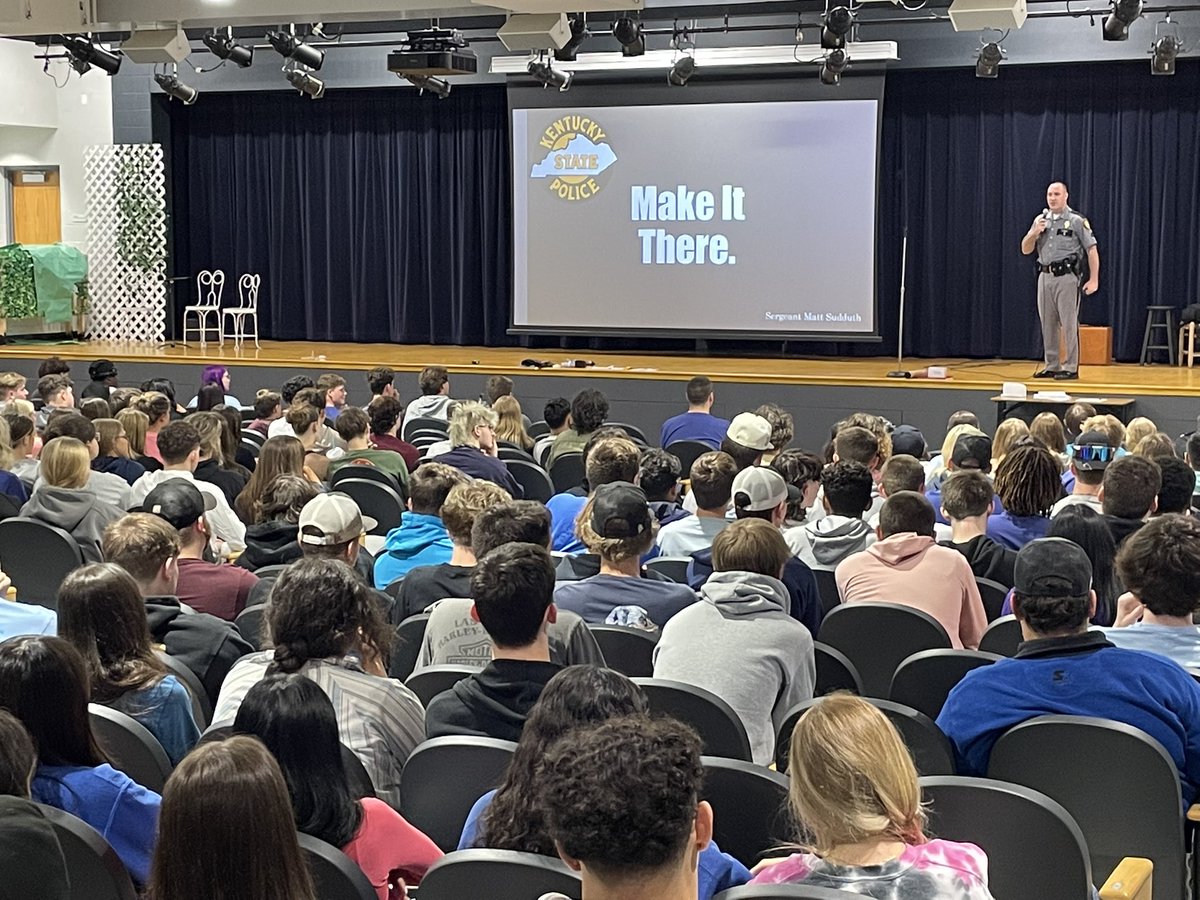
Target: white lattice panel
127 237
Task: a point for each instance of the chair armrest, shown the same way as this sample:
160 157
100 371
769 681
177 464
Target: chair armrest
1193 813
1132 879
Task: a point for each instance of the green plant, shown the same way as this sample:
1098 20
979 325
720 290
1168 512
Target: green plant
137 207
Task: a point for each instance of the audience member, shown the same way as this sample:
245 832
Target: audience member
109 488
1155 446
12 387
855 797
306 421
95 408
321 440
607 458
268 407
904 472
226 820
474 453
288 393
1009 432
697 423
822 544
783 429
1077 413
381 382
212 467
53 365
1139 427
272 538
209 396
905 566
115 457
1111 426
62 499
421 538
940 463
296 722
354 426
589 410
801 470
31 857
219 376
510 425
658 475
711 480
283 455
1175 494
1064 669
157 408
434 402
1028 484
972 453
56 393
1047 428
23 618
1129 494
967 503
43 682
554 414
497 386
334 387
21 436
10 484
1191 456
907 440
384 413
1087 458
738 641
747 439
324 623
103 617
135 422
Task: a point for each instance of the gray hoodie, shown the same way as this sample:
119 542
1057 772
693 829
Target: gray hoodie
429 406
826 542
740 643
77 511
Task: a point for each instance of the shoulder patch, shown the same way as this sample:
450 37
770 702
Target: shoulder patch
1087 224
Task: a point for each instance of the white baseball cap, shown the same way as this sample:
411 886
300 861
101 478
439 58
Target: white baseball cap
762 488
750 430
329 519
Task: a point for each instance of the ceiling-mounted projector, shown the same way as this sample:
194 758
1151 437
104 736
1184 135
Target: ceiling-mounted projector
434 51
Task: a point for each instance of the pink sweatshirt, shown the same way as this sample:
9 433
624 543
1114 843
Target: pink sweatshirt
912 570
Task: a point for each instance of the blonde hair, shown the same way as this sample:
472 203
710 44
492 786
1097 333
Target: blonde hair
465 503
108 432
510 426
1109 425
1137 429
209 425
1048 428
874 424
1007 434
615 550
66 463
136 423
6 447
852 778
466 419
952 437
1155 446
19 407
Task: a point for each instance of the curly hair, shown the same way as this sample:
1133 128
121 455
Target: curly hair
658 473
384 413
848 487
589 410
465 503
379 378
1160 563
522 521
877 425
611 459
295 385
798 468
1029 480
783 427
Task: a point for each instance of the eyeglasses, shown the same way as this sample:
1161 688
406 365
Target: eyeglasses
1101 453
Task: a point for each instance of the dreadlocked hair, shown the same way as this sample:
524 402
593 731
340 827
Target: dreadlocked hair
1028 480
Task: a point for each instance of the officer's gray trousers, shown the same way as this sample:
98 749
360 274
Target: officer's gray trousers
1058 306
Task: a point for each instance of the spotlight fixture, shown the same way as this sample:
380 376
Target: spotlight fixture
83 53
439 87
1165 49
838 22
290 46
988 63
176 89
1124 13
224 47
681 70
579 34
833 66
628 33
548 76
306 83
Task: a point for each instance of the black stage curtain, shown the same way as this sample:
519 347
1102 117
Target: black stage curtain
380 214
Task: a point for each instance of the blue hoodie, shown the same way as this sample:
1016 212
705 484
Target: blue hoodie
421 540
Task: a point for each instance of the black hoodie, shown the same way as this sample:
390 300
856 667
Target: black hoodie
271 543
492 703
205 644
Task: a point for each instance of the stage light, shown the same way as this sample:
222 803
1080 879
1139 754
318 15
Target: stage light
838 22
177 90
579 34
833 66
988 63
83 53
223 46
439 87
1124 14
306 83
1165 49
681 70
628 33
293 48
548 76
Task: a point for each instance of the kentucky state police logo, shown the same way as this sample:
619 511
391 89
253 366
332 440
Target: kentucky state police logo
576 152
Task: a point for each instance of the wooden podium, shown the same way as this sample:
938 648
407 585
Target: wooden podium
1095 346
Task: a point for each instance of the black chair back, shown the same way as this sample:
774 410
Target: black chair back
9 508
357 774
444 777
532 478
37 557
993 594
925 679
251 447
1032 844
835 672
1116 781
506 451
427 683
498 875
271 571
567 472
673 567
423 422
362 469
250 622
201 704
877 637
635 433
380 502
406 649
720 728
538 429
828 589
254 437
688 452
782 892
1002 637
750 814
628 650
93 867
131 747
335 875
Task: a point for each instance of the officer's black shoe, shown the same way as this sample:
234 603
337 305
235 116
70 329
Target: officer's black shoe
1066 376
1047 373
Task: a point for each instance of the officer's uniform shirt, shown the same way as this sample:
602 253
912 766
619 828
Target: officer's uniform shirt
1067 234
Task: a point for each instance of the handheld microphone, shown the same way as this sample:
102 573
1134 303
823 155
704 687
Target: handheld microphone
1046 213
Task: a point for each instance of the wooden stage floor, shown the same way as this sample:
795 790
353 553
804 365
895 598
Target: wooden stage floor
965 374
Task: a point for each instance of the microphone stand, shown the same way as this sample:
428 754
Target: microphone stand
900 371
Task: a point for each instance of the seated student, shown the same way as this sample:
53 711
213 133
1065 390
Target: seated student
473 439
148 548
218 376
711 487
56 393
226 820
1064 669
554 414
846 488
421 538
1129 494
905 566
278 456
213 468
110 488
609 456
425 585
43 682
512 818
589 410
1083 527
63 500
13 387
783 429
268 406
385 415
961 422
220 590
972 453
513 590
381 381
1160 567
967 498
1028 483
271 536
622 805
903 472
453 636
698 423
334 387
855 797
295 721
135 423
616 523
354 431
658 475
801 470
307 423
21 436
1087 457
115 457
324 623
434 402
104 619
1175 495
738 641
23 618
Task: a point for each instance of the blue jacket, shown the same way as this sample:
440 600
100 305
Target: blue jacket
717 871
1081 675
421 540
564 510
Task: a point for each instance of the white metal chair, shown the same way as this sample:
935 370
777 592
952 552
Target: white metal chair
248 309
209 287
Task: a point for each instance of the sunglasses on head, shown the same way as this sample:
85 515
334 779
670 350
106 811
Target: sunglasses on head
1093 452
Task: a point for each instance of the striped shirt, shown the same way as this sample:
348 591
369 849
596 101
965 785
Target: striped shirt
379 719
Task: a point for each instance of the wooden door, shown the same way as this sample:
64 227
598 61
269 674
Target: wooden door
36 206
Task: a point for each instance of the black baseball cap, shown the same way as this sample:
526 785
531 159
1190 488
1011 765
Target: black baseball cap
973 451
619 510
101 369
178 501
907 439
1053 567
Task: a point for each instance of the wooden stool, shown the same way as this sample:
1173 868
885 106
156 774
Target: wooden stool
1187 343
1159 317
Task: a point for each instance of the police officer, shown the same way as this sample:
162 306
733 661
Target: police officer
1061 237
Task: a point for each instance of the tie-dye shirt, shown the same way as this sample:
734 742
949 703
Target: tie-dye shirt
937 870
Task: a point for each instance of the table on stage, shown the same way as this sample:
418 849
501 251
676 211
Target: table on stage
1121 407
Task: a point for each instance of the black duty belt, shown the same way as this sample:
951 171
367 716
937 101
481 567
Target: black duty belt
1059 267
